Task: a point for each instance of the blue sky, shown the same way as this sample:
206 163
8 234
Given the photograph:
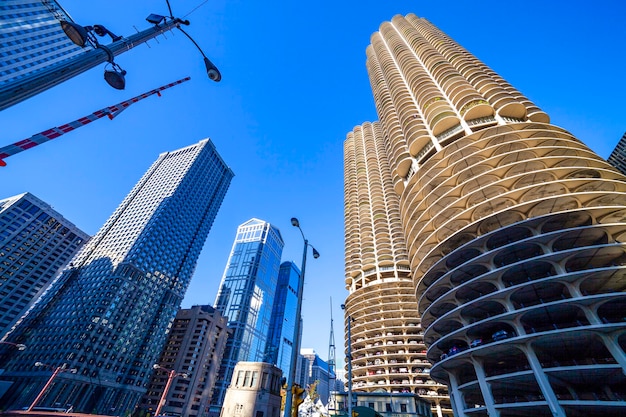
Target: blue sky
294 83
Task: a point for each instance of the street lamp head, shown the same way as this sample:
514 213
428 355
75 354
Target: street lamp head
115 77
156 366
316 254
185 375
102 31
38 364
295 222
75 32
20 346
212 71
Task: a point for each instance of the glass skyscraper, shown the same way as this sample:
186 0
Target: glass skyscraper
246 297
283 322
35 243
32 38
106 316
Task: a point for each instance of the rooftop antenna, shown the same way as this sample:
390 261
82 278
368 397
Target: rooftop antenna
332 377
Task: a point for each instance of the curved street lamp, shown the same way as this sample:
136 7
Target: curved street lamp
296 342
170 377
57 370
18 346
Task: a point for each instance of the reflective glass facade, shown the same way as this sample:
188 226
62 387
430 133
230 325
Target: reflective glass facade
618 156
282 325
108 313
246 296
31 38
35 243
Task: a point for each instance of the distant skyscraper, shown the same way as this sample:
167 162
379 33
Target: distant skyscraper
378 276
618 156
282 324
107 315
35 243
514 230
246 297
32 38
194 346
317 372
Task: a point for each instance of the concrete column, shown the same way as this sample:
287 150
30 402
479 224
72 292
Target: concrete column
484 388
542 381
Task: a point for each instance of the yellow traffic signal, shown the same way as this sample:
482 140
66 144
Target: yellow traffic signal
297 393
355 414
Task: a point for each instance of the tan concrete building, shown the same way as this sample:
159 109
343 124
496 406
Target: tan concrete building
254 391
388 350
514 232
194 347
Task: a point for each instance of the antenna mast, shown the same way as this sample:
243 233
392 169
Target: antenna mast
332 378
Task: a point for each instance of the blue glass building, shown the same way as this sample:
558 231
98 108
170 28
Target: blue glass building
246 297
31 38
35 243
283 322
107 315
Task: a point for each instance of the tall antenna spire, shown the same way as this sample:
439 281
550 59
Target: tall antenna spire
331 358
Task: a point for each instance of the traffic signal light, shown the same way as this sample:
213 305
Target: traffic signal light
298 398
355 414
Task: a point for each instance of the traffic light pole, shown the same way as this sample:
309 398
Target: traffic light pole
40 81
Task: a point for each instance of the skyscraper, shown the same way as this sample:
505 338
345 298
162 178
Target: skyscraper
514 231
618 156
106 316
282 324
246 297
387 338
32 38
35 243
194 347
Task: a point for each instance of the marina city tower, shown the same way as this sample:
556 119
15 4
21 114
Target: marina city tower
513 229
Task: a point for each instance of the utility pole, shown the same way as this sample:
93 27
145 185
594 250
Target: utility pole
33 84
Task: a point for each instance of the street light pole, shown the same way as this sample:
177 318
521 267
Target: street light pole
40 81
171 374
296 342
57 371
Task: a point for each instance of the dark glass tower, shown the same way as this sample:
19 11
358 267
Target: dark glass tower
246 297
283 323
35 243
107 315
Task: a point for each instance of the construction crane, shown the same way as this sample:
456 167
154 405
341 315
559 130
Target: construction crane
47 135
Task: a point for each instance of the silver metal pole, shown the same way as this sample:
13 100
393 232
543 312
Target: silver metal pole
296 343
31 85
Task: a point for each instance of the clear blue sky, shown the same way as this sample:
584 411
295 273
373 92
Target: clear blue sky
294 83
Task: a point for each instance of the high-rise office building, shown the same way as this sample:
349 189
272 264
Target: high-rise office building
514 231
282 324
35 243
618 156
387 338
32 38
194 349
106 316
317 373
246 297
